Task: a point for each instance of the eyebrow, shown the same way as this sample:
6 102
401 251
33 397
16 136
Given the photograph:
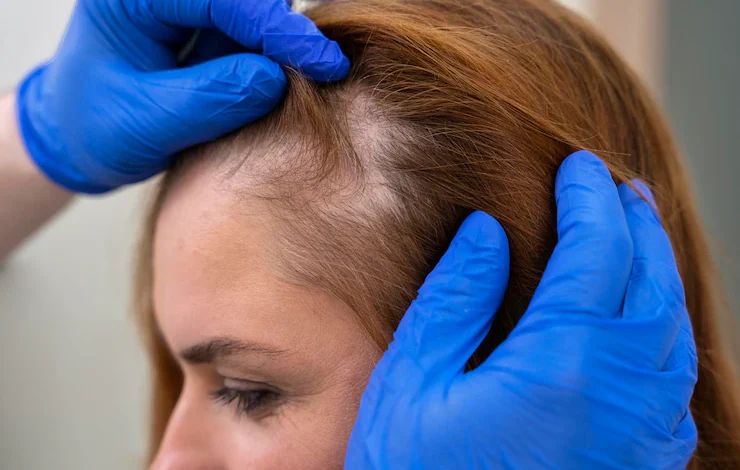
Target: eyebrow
220 348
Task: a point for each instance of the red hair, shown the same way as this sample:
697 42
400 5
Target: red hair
452 107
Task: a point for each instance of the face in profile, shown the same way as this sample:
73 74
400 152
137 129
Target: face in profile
273 371
277 261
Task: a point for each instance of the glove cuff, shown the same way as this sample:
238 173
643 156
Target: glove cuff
41 138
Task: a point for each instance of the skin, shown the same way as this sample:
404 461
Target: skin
214 282
27 197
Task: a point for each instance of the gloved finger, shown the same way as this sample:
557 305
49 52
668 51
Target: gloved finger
455 305
683 354
212 44
655 291
201 103
269 27
590 266
685 438
682 369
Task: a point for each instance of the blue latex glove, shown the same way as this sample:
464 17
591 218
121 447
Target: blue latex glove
598 374
114 104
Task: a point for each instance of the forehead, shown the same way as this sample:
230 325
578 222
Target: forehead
215 274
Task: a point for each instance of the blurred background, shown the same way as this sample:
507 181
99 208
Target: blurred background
72 376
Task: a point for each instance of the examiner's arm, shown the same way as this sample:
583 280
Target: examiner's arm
27 197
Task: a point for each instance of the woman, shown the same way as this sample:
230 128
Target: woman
310 231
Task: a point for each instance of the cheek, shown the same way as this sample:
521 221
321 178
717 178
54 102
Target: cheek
290 442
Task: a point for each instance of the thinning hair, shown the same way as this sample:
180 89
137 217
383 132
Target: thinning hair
451 107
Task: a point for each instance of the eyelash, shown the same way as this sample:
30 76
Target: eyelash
247 401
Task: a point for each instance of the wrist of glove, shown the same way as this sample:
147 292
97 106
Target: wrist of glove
44 144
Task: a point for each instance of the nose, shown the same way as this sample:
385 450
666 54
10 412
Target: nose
191 439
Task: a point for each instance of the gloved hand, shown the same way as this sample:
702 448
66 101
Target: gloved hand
597 374
115 103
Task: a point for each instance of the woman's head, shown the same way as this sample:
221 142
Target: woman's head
278 260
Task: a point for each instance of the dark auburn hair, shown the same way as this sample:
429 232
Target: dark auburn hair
450 107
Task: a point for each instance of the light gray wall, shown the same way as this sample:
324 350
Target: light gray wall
702 85
72 378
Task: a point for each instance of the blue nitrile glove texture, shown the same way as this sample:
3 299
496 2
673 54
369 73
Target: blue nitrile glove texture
115 103
598 373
